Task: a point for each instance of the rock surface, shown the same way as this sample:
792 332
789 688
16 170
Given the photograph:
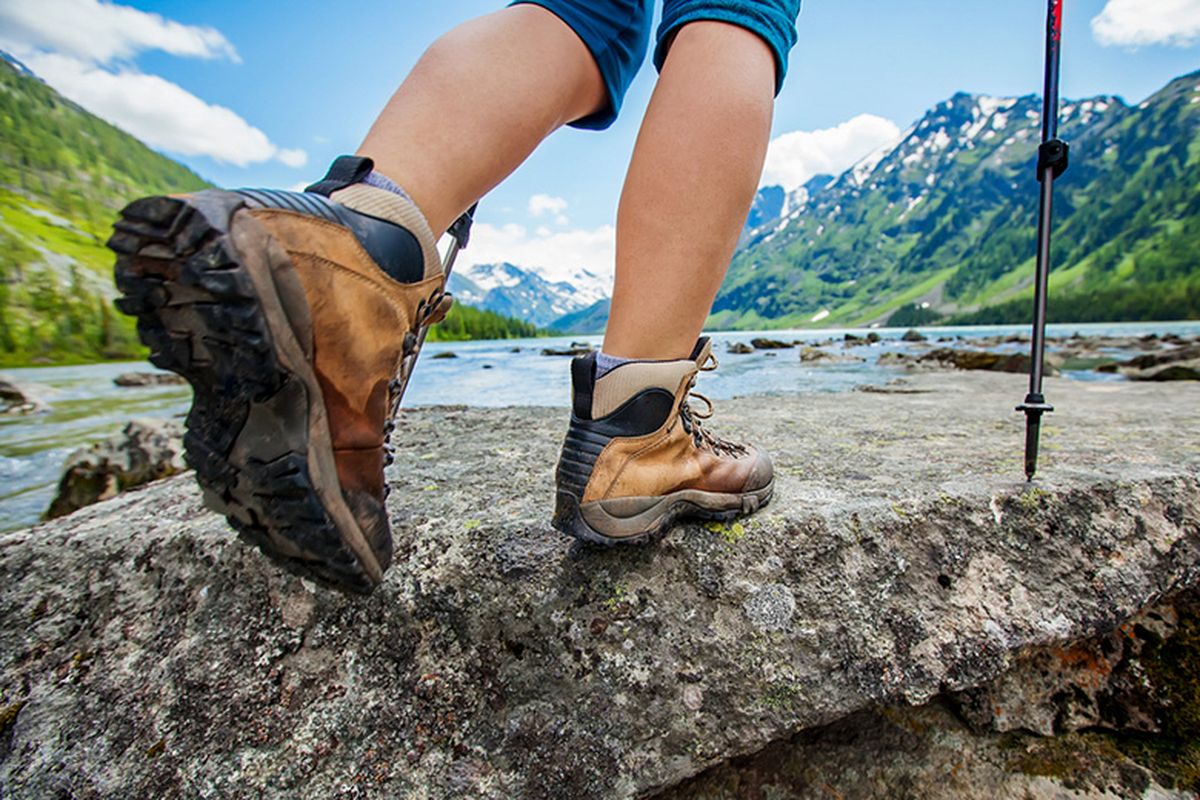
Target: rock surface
148 653
144 451
1090 703
927 754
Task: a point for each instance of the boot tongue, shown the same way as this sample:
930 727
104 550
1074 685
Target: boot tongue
701 351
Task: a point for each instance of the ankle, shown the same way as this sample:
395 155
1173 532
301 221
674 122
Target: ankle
380 181
606 363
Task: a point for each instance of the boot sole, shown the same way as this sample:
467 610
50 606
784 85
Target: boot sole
639 520
218 302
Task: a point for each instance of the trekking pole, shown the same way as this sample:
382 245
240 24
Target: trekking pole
1052 161
460 234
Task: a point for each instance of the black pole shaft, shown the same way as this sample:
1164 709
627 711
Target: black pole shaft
1046 202
1051 163
1041 283
1050 89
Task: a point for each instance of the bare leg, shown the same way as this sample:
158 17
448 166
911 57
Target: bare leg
692 178
477 104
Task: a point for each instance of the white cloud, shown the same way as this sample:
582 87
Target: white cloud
103 32
793 158
84 48
556 255
540 204
291 157
1130 23
160 113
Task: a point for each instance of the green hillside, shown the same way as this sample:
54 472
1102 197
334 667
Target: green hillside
64 173
464 322
944 222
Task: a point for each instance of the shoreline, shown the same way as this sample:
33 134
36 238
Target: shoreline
748 332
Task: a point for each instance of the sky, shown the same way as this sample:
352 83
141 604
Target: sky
267 93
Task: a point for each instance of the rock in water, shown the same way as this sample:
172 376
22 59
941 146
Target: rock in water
144 451
913 335
769 344
576 349
949 358
152 654
1175 372
817 355
738 348
149 379
19 398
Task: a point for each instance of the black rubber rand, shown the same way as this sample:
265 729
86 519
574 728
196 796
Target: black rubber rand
200 315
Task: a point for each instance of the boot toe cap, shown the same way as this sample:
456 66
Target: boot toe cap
761 471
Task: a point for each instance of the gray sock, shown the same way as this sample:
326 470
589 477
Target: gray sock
380 181
606 363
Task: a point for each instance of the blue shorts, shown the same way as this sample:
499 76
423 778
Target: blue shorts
617 33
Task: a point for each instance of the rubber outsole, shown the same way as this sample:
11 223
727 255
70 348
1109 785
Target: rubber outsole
200 311
569 517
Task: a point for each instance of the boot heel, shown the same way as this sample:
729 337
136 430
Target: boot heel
568 520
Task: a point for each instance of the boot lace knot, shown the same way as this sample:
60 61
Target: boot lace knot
691 419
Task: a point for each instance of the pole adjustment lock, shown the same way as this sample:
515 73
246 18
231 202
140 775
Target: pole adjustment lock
461 229
1052 154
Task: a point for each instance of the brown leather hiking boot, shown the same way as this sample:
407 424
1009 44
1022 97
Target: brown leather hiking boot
290 314
636 457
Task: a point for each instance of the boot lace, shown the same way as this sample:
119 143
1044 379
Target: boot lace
430 311
690 418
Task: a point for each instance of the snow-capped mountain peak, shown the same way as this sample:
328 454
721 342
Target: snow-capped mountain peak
523 293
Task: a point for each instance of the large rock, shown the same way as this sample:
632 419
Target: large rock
927 753
151 654
145 450
1064 721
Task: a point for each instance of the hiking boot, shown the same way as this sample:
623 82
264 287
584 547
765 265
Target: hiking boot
636 457
291 314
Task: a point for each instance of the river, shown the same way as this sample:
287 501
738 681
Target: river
85 405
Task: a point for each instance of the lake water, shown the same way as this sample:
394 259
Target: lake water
85 405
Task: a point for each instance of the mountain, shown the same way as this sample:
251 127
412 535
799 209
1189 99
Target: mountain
945 221
767 206
772 204
587 320
515 292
